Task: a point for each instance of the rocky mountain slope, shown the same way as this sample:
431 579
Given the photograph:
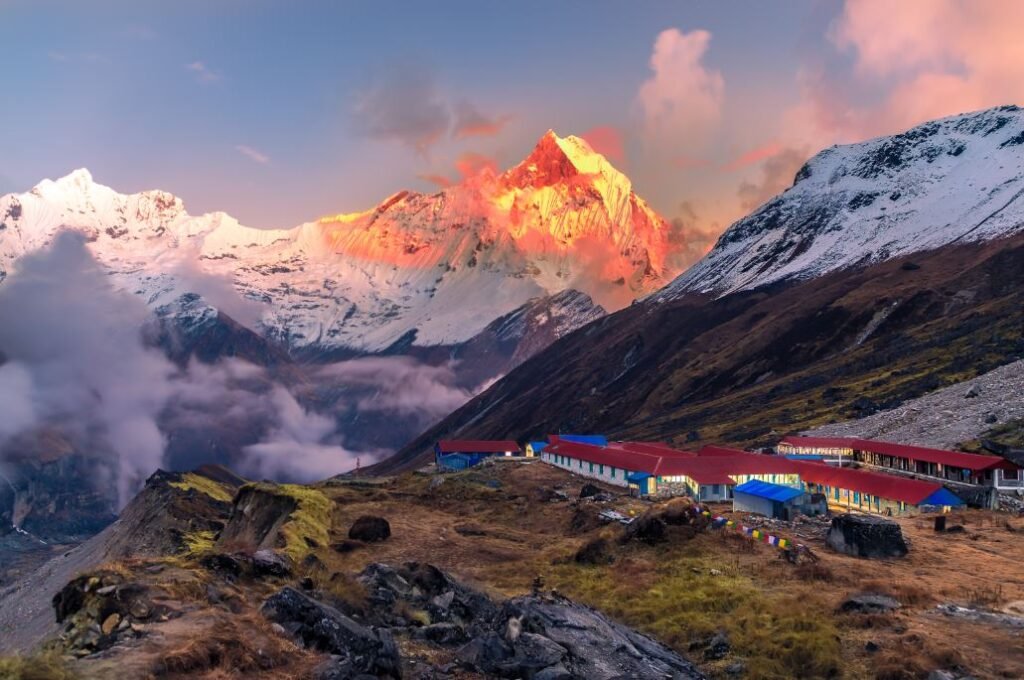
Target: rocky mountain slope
947 417
417 269
753 365
954 180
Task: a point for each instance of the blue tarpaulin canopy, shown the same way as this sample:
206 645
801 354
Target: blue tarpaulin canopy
942 496
637 477
592 439
773 492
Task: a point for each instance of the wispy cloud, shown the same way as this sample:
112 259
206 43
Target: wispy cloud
753 156
606 140
470 122
681 101
82 57
403 105
203 73
253 154
140 32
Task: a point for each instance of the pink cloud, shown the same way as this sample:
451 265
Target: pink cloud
684 162
438 179
469 122
753 156
681 101
471 164
913 61
607 141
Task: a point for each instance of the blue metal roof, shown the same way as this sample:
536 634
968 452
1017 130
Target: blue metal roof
942 496
538 446
592 439
637 477
773 492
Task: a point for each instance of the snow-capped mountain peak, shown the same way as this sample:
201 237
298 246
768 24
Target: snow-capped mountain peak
435 268
955 179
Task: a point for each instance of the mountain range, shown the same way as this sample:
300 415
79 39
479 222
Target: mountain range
889 269
417 269
366 327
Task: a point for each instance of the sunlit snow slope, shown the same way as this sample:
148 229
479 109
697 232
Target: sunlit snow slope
951 180
437 268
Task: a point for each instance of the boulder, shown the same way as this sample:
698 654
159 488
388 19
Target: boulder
866 536
869 603
718 647
442 633
487 652
271 563
325 629
589 643
594 552
647 528
426 588
370 528
589 490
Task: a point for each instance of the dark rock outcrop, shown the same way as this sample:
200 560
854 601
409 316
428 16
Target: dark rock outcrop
317 626
594 552
553 637
271 563
256 518
589 490
426 588
866 536
869 603
369 528
97 609
648 528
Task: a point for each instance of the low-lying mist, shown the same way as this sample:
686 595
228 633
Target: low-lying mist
73 358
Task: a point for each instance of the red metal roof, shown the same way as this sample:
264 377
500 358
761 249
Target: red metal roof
633 461
969 461
715 468
720 464
476 446
654 448
820 442
879 484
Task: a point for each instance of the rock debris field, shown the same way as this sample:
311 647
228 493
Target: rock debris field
946 417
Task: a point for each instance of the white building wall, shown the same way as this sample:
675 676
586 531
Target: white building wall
573 465
1009 480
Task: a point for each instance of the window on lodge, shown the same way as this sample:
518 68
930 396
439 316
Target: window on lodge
613 473
600 469
591 467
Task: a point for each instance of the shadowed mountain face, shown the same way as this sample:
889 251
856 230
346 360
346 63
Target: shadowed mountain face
748 365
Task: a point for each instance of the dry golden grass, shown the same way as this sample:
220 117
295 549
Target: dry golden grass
48 665
781 619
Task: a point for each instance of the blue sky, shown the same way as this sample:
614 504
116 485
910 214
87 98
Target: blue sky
259 108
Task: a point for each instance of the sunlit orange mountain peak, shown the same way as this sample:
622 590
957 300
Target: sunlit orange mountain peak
564 217
437 268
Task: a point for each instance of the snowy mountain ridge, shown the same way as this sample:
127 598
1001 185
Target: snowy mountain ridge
951 180
428 269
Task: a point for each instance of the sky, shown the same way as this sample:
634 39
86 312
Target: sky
281 112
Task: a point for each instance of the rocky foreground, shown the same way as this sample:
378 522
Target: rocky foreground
187 583
509 570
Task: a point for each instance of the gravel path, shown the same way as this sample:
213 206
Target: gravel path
946 417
